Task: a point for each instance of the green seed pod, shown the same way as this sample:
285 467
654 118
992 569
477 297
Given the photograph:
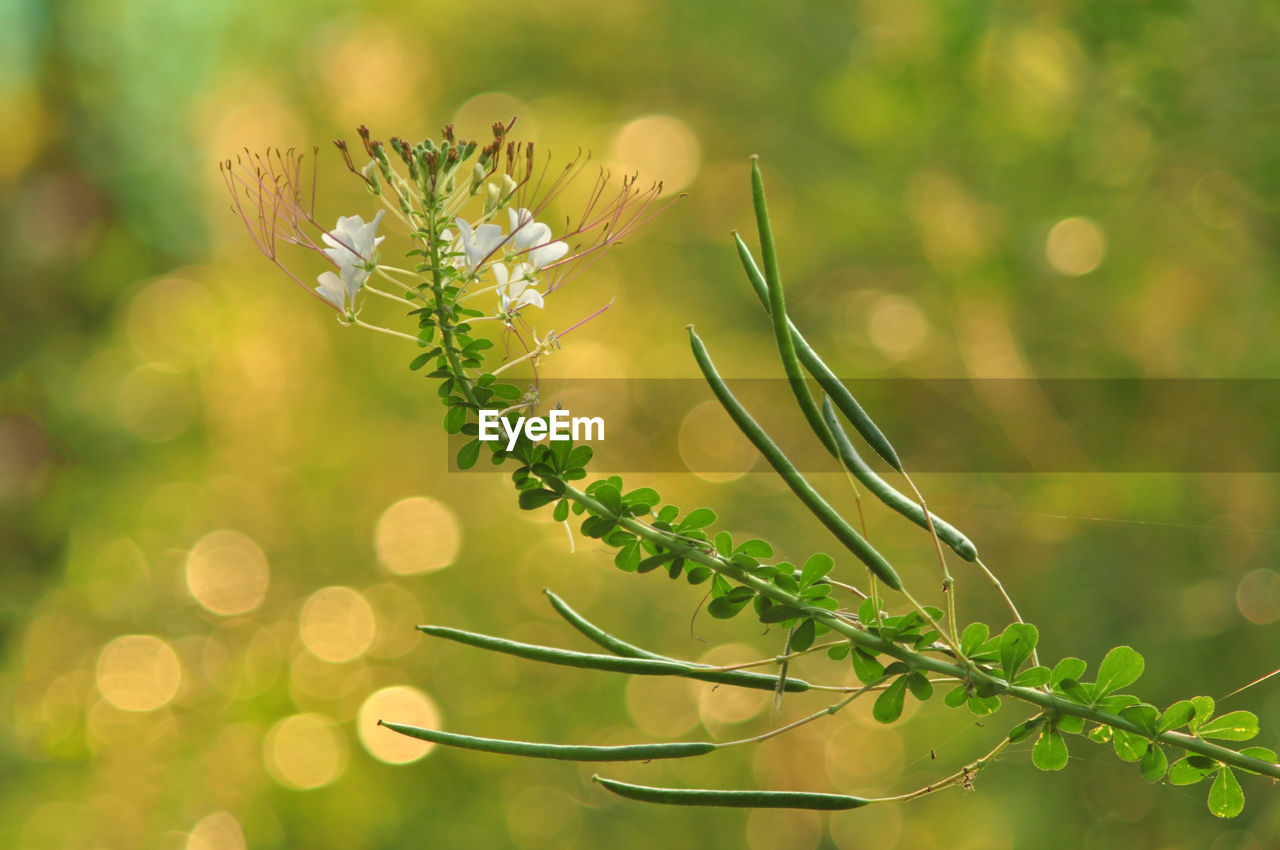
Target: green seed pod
733 799
561 752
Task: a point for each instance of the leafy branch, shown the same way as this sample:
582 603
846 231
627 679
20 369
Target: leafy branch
893 655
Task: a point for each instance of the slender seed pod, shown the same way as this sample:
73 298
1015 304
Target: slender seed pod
886 493
563 657
818 506
826 379
733 799
740 678
777 310
561 752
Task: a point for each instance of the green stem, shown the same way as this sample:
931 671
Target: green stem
878 645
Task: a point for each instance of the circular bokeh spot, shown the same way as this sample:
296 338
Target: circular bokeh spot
337 624
417 535
398 704
138 673
227 573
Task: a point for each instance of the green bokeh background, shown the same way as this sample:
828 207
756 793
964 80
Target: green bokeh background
162 381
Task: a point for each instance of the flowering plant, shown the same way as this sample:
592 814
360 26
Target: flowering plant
475 218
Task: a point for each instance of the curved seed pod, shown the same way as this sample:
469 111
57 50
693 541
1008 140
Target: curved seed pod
561 752
886 493
822 374
563 657
740 678
818 506
777 309
733 799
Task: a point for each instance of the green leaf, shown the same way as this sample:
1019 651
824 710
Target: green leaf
974 636
1069 723
1190 770
699 518
1204 710
982 706
754 549
531 499
1077 691
1067 668
1016 645
1226 799
469 454
866 667
802 637
779 613
455 419
1100 734
1233 726
1128 746
1260 753
888 707
628 557
1154 764
562 511
642 499
1176 716
1032 677
1121 667
921 687
1024 729
816 567
609 498
956 697
1050 751
839 653
728 606
724 544
1145 717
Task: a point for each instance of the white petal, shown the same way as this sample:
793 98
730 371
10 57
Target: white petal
548 254
485 241
500 274
529 296
534 233
331 289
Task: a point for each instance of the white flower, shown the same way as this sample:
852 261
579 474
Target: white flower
353 248
535 238
516 289
353 243
341 291
479 244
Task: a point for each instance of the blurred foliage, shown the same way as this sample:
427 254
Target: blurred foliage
960 188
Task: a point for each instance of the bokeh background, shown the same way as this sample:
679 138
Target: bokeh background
223 513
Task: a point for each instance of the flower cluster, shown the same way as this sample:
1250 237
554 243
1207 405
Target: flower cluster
475 215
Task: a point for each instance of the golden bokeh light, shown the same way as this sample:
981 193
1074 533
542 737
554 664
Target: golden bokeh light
896 326
712 447
218 831
660 705
138 673
396 612
1075 246
155 405
337 624
227 573
783 830
720 706
172 322
398 704
658 147
364 86
417 535
1258 596
475 118
305 751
